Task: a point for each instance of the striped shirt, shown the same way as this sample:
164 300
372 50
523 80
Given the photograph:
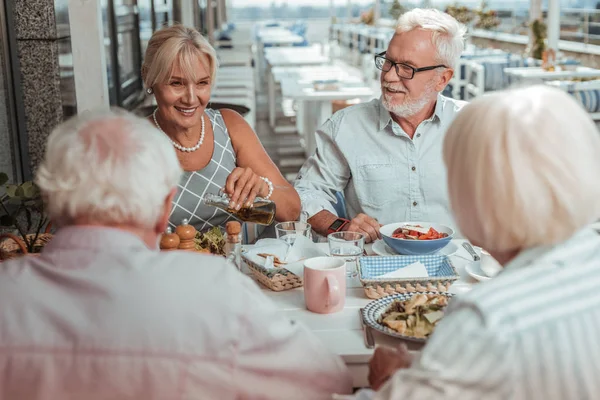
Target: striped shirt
530 333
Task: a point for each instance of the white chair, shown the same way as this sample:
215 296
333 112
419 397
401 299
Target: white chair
587 93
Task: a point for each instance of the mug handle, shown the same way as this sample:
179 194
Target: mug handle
333 291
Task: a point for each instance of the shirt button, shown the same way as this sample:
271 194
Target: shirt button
414 168
414 203
418 135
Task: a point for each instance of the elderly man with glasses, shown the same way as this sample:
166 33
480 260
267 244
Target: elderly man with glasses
385 156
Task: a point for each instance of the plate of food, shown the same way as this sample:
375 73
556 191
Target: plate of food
407 316
382 249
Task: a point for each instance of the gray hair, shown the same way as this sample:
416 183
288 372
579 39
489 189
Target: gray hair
107 167
448 33
523 168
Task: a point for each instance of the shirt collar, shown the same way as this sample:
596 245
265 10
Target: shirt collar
556 252
385 118
94 238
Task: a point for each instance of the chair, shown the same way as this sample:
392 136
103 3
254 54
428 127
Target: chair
340 205
587 93
487 74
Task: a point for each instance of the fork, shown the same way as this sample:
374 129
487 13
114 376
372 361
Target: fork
368 334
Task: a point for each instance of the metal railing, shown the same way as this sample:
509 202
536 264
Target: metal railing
576 24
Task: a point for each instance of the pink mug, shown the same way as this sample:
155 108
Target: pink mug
325 284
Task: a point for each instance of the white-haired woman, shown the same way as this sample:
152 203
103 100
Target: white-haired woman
523 168
217 149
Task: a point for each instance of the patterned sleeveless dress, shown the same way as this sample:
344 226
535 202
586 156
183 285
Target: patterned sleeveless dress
187 203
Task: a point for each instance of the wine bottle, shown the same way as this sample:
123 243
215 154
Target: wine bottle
261 211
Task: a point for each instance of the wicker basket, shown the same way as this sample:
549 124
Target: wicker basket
12 246
277 279
376 288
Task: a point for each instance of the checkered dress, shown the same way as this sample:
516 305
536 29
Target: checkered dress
187 203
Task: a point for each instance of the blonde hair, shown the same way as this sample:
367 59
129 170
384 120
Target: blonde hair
448 34
107 167
177 44
523 168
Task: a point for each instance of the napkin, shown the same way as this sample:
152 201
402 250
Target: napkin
294 255
414 270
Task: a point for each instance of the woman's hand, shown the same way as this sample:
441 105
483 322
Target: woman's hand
242 187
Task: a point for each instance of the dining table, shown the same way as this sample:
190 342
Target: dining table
342 332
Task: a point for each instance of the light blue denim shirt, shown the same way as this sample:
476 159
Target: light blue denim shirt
383 173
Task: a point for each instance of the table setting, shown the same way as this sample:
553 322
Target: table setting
342 299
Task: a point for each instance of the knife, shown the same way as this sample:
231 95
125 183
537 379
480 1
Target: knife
369 341
471 251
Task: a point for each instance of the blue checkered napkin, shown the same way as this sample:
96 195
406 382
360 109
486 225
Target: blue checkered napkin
437 265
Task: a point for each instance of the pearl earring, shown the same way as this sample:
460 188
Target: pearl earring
149 90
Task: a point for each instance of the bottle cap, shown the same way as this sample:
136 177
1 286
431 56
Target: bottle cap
233 228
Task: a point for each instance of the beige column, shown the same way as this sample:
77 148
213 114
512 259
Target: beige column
220 5
89 60
210 21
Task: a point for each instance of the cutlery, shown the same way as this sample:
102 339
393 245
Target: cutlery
368 334
471 250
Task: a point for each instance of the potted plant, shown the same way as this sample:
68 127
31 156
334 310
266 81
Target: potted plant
538 29
22 211
396 9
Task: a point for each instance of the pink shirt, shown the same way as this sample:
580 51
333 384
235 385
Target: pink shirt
100 316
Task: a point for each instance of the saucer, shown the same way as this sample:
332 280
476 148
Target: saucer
382 249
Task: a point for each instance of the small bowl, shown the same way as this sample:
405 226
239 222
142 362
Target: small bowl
415 247
489 265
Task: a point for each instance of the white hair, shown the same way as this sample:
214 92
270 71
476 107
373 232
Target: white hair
523 168
448 34
107 167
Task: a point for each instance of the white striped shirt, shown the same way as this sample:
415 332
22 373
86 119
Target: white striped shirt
530 333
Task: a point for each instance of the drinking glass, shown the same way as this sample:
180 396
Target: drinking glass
348 245
288 231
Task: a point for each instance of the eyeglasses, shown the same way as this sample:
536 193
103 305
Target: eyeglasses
404 71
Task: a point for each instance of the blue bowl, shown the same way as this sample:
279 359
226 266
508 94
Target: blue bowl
415 247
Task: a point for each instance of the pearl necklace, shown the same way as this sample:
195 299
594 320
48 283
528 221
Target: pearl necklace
177 145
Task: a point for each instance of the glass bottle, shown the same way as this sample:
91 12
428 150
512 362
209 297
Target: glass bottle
261 212
233 243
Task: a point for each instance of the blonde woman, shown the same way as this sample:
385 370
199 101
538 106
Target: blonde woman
216 148
523 169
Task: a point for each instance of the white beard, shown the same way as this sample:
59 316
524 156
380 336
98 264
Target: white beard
409 106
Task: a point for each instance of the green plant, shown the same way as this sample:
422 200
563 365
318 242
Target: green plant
396 9
538 28
486 19
22 209
462 14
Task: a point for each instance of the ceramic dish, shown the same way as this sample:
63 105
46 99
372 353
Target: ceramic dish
382 249
374 309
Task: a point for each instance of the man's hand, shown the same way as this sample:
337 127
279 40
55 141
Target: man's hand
385 362
364 224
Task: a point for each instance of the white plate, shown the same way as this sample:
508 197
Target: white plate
475 271
382 249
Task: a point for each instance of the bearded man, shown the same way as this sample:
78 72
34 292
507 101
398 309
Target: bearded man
385 156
